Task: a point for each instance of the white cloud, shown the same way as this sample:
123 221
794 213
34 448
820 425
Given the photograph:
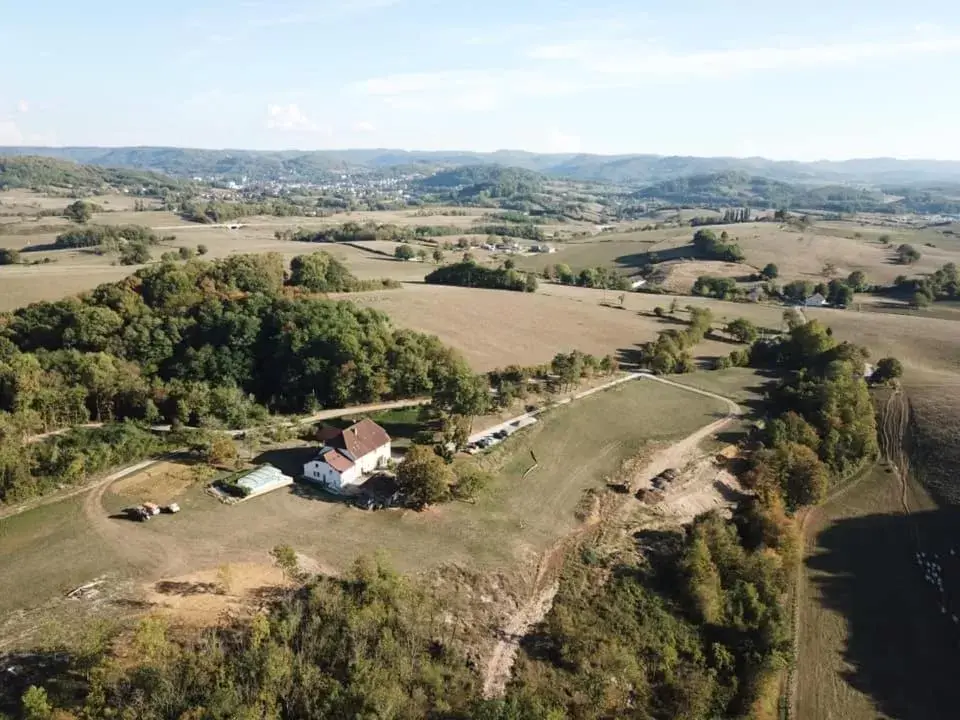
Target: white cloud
563 69
23 106
292 118
559 141
364 126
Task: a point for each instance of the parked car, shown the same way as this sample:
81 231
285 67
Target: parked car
139 513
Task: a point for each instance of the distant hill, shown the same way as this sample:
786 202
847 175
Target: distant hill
738 188
44 173
494 181
620 169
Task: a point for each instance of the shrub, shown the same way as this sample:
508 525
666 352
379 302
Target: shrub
9 256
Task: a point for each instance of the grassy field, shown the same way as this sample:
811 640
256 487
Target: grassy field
49 551
61 545
799 254
873 641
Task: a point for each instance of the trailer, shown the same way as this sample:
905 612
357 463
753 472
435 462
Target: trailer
151 508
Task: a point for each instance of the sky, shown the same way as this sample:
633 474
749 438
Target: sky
803 81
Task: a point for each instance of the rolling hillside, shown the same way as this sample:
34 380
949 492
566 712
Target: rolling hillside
631 169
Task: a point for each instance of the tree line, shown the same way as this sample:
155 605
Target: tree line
595 277
469 274
822 425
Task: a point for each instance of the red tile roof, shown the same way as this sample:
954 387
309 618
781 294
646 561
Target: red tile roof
359 439
338 462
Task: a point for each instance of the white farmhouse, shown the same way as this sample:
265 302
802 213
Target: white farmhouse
815 300
349 455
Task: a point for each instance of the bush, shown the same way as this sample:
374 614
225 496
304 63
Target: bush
135 253
721 363
770 272
887 370
404 252
202 249
9 256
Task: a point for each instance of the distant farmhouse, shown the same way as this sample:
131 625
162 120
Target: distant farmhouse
348 456
815 300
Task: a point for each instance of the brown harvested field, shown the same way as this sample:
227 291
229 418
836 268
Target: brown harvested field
27 200
21 286
579 446
494 328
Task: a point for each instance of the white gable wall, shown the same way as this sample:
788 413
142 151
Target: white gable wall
319 471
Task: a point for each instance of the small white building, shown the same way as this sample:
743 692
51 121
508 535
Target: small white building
638 283
348 456
815 300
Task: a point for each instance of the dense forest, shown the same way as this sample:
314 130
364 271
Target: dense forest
46 174
493 181
208 344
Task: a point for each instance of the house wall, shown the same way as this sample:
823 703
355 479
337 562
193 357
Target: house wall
371 461
323 473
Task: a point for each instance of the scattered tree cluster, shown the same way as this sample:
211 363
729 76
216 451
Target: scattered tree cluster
907 254
670 353
221 212
709 246
111 236
469 274
722 288
598 277
81 211
729 217
943 284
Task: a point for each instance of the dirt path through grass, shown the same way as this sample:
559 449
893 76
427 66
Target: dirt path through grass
546 581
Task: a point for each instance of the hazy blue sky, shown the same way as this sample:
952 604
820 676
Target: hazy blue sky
818 79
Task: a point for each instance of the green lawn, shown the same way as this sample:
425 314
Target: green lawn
578 446
48 551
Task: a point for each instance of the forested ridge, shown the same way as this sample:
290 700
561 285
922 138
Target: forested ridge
203 343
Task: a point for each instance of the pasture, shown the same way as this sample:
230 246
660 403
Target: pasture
873 641
58 546
799 254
